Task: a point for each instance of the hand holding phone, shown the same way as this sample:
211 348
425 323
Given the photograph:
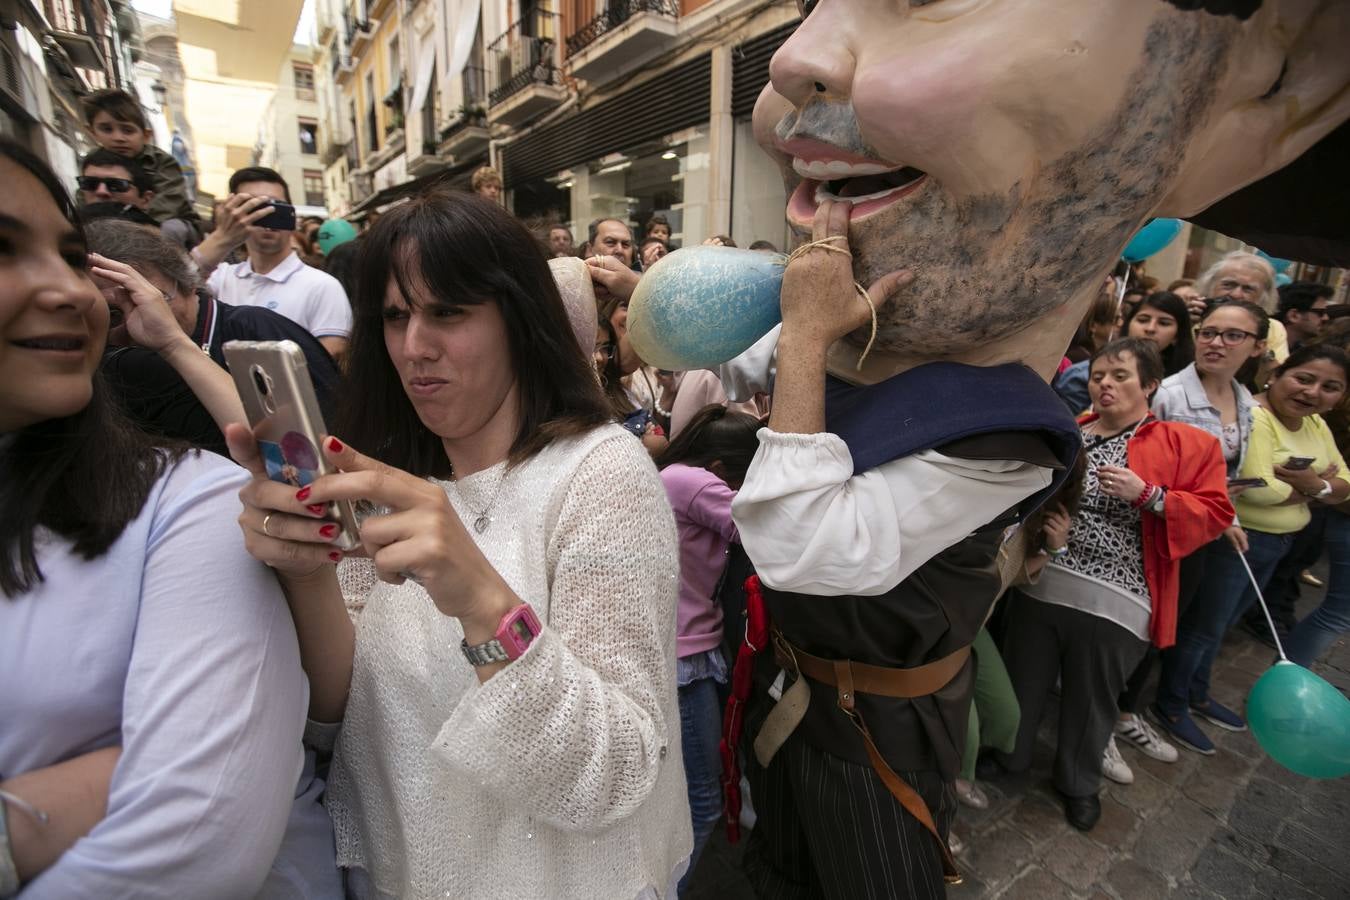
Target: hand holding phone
1298 463
278 396
281 218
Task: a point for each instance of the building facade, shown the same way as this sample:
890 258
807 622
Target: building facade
288 133
52 53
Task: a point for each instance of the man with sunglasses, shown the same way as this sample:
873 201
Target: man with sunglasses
1303 310
108 177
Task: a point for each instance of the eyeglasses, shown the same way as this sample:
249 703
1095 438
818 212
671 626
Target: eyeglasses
1231 337
90 183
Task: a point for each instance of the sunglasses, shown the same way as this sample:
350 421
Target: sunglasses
115 185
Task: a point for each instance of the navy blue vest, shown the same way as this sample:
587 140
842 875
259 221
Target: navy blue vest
941 402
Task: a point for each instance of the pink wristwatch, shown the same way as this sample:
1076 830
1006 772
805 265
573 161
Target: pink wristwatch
516 631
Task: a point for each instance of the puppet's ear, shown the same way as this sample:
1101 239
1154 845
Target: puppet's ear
1287 86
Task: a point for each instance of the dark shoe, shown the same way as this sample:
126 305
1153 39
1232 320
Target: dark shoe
1082 812
1215 712
987 767
1183 730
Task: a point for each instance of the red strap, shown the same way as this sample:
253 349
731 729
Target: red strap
733 723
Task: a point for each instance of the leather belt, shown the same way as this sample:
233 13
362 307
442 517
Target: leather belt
849 678
919 681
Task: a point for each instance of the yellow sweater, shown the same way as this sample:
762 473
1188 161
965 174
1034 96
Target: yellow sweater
1272 444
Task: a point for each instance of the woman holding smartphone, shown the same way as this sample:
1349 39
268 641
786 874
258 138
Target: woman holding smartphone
1292 449
504 706
1208 395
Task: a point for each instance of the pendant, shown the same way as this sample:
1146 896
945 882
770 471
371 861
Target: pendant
481 523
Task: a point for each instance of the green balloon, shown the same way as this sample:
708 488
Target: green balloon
1301 721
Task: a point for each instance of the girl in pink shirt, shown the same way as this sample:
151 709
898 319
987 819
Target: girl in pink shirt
701 470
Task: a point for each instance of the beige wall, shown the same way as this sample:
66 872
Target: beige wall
231 53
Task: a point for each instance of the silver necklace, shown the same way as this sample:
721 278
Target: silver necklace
482 518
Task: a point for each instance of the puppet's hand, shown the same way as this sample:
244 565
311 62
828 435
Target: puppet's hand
819 299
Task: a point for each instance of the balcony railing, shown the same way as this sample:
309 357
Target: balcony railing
475 80
525 54
615 14
333 151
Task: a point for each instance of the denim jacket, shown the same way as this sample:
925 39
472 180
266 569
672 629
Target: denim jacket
1182 398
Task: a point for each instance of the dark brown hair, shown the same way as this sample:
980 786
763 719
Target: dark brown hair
84 476
715 434
467 251
117 103
1147 363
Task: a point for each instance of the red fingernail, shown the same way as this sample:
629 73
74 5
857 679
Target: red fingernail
335 445
328 530
302 495
335 556
316 509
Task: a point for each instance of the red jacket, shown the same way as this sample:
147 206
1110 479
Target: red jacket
1188 461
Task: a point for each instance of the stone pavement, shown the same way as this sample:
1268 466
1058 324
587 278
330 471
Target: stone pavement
1234 826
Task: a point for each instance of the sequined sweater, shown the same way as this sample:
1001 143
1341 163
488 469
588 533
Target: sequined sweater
561 776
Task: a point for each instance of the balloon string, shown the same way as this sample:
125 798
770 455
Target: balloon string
827 243
1120 294
1265 609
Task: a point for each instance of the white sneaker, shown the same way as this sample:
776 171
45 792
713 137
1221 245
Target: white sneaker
1141 734
1113 765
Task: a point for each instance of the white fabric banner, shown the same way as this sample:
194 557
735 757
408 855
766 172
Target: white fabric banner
463 26
426 67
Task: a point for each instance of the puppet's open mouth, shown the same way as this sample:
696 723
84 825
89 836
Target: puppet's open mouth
861 188
868 193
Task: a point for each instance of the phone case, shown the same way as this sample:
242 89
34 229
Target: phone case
273 381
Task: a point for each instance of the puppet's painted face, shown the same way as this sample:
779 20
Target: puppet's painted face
1006 149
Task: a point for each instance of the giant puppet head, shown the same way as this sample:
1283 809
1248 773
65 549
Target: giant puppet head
1006 150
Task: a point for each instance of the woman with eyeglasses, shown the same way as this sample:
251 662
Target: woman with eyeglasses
1293 453
1209 395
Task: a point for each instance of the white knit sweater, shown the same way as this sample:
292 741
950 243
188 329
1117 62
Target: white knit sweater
561 776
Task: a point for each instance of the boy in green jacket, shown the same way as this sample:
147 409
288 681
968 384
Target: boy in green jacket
118 124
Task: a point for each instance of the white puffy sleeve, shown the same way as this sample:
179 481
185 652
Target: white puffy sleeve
576 729
811 526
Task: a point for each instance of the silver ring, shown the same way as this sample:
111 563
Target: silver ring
266 519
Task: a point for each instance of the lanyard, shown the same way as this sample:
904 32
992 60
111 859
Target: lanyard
209 327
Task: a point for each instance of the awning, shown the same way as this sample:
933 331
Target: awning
451 176
426 67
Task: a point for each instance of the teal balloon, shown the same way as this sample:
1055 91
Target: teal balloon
1150 239
1279 264
701 306
1282 279
1301 721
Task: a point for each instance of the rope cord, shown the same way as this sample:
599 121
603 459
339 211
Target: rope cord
828 244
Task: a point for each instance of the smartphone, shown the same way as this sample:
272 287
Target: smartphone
278 395
1246 482
1298 463
281 218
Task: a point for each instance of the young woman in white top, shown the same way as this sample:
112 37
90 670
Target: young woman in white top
506 698
151 695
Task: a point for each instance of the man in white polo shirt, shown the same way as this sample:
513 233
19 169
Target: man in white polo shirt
273 276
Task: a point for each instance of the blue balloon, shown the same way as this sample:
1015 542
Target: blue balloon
1301 721
1282 279
1279 264
701 306
1154 236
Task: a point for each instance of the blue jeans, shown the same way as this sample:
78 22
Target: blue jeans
1312 636
1223 597
700 733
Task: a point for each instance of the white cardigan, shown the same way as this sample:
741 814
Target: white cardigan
561 776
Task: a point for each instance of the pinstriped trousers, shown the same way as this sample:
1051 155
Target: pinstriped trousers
828 828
